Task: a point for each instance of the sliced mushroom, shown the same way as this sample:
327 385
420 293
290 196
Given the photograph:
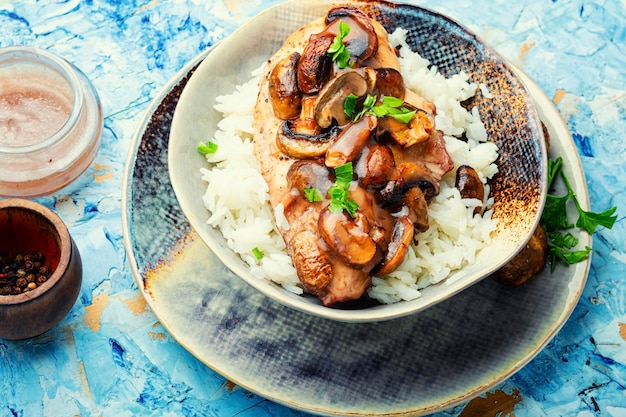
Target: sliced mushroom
348 241
408 175
329 106
420 175
283 88
308 173
401 239
415 100
306 124
314 65
469 185
415 201
389 82
350 142
361 42
311 262
300 145
376 166
408 134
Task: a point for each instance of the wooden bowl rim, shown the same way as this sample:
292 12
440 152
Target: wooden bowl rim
65 248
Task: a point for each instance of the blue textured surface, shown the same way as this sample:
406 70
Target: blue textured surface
111 357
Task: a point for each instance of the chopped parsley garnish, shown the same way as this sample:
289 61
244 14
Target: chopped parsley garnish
554 219
390 106
338 192
206 148
338 50
339 195
257 253
313 195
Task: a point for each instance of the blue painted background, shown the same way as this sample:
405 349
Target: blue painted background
111 357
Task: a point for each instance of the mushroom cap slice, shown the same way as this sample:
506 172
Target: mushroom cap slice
300 145
376 166
350 142
388 82
469 184
309 173
348 241
362 41
285 95
420 175
311 262
329 106
314 64
415 202
401 239
409 175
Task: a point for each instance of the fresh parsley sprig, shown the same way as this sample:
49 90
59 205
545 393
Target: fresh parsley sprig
560 247
554 219
338 50
390 106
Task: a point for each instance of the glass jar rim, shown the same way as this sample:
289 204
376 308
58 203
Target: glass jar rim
29 55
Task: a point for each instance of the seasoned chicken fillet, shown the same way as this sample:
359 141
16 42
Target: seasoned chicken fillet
353 189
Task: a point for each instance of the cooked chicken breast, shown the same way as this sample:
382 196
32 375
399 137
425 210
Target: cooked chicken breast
302 135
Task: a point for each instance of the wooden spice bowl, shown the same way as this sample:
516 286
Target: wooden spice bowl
27 227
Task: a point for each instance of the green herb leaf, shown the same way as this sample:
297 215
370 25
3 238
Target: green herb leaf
390 106
554 218
349 104
589 220
313 195
339 195
338 50
351 207
343 175
257 253
206 148
569 257
564 240
405 116
389 101
553 169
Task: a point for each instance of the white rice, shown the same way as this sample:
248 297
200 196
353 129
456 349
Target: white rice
237 195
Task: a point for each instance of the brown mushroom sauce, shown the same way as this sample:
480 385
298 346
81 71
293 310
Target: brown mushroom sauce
397 167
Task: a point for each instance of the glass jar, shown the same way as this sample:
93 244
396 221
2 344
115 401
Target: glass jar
50 122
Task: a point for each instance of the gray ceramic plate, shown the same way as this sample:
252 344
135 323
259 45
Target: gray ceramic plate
510 118
413 365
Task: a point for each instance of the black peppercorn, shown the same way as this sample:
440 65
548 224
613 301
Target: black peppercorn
28 265
22 272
